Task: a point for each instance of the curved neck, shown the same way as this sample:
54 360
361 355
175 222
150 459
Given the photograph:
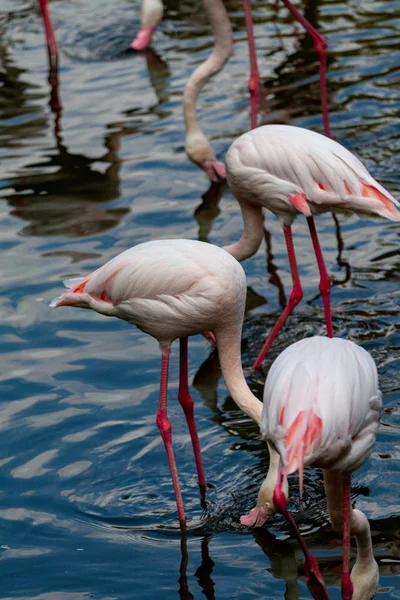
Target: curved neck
359 526
222 51
253 232
228 341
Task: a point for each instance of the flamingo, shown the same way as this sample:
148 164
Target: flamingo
321 408
174 289
293 171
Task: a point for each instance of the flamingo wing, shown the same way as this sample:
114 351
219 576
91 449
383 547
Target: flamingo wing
168 288
321 404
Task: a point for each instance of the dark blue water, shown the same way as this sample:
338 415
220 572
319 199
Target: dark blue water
86 504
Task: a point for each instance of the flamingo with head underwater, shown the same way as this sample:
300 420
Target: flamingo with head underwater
293 171
174 289
321 408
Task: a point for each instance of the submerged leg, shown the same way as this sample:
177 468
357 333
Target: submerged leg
51 41
321 46
164 426
325 282
314 579
295 296
254 81
347 586
188 408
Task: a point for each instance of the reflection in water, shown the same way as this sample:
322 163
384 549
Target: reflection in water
209 210
282 558
65 189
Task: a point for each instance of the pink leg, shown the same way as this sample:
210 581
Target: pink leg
314 579
321 46
52 48
188 408
325 282
254 81
347 586
295 296
165 429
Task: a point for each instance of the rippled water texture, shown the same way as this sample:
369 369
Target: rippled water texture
86 504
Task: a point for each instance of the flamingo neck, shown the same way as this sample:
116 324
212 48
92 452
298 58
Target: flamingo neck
228 342
253 232
222 51
365 573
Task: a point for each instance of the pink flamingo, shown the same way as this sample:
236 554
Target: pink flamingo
173 289
294 171
151 14
321 408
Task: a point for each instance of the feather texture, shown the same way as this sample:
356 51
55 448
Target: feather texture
271 163
168 288
322 404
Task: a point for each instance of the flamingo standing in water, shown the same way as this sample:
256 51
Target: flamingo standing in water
173 289
321 408
293 171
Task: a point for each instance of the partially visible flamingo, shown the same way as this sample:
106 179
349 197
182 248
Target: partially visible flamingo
151 14
197 145
293 171
321 408
173 289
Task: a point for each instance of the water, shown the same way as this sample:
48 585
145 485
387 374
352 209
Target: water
86 504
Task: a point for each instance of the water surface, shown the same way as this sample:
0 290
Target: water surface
86 504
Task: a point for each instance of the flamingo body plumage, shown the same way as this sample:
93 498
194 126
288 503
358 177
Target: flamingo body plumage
322 404
168 288
274 163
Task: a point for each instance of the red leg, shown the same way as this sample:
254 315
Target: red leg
347 586
254 81
188 408
51 41
165 429
321 46
325 282
314 579
295 296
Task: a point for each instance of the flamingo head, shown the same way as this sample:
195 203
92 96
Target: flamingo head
200 152
265 507
214 169
143 39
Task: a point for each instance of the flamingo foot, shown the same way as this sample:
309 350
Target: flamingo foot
143 38
256 517
214 169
